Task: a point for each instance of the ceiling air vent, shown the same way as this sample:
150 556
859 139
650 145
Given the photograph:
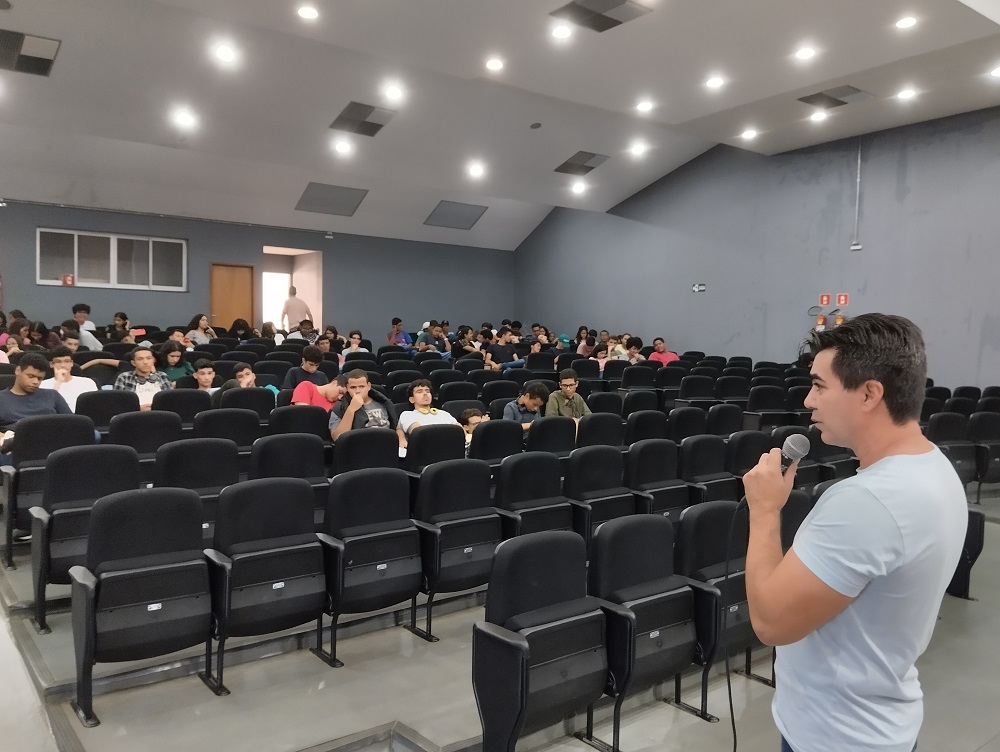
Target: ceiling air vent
331 199
26 53
600 15
363 119
581 163
455 215
836 97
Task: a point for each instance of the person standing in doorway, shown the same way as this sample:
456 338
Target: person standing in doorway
294 311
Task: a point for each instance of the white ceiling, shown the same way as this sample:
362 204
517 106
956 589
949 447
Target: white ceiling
97 132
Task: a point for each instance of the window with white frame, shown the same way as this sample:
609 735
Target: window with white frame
97 259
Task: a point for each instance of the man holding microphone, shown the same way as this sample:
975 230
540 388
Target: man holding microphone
853 603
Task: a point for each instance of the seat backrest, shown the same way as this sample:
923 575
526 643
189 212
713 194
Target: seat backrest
938 392
686 421
396 363
600 428
452 486
983 428
481 376
455 407
255 398
697 387
947 427
197 463
795 397
500 390
554 433
372 496
263 509
766 397
629 551
300 419
758 380
591 469
367 447
428 367
395 378
780 433
732 387
669 377
985 404
637 377
233 423
101 406
458 391
284 356
724 419
534 571
820 451
275 368
519 376
145 431
645 424
143 522
527 476
38 436
225 368
496 439
744 449
443 376
962 405
287 455
540 361
83 473
434 443
650 461
615 369
702 538
793 514
700 456
586 368
970 392
605 402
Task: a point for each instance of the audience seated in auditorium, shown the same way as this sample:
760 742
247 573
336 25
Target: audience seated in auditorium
661 353
361 407
632 348
419 395
581 337
294 311
466 344
337 340
432 339
308 371
42 336
586 348
204 375
199 332
325 396
397 336
26 399
354 343
565 401
527 407
119 324
83 337
170 361
242 330
81 315
501 355
144 379
601 355
468 419
304 331
243 378
63 381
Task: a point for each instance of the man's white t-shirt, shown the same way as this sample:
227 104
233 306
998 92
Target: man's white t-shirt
71 389
436 418
88 326
890 537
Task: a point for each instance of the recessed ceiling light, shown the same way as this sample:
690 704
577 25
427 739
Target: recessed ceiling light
184 117
476 169
906 22
343 146
494 64
818 116
562 31
579 187
805 53
907 94
308 12
749 134
638 148
715 82
225 53
995 73
644 106
394 92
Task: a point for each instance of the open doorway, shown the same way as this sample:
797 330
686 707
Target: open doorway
292 267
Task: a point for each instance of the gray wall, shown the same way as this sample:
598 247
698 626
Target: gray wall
366 280
768 234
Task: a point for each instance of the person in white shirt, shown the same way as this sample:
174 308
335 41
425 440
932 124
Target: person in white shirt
294 311
63 381
81 314
422 414
71 329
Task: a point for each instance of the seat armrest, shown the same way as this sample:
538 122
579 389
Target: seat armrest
328 541
620 639
500 681
40 516
84 579
643 501
218 559
707 608
220 568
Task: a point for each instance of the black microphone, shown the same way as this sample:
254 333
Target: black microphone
794 449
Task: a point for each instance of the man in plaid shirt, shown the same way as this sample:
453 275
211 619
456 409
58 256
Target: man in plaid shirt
145 380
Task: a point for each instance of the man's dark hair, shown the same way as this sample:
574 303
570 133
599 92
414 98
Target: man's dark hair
136 351
312 354
502 331
307 322
658 339
60 352
342 378
536 390
536 325
568 373
468 414
396 320
414 384
34 360
81 307
590 341
203 363
879 347
487 325
70 324
323 338
505 322
634 342
357 373
515 324
241 367
432 323
70 334
487 335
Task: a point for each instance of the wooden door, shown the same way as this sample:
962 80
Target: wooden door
232 294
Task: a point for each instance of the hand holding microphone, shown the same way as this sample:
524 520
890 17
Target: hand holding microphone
769 483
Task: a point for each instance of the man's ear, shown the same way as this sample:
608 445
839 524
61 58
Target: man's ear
873 393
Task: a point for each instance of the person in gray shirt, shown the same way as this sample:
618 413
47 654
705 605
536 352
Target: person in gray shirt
526 409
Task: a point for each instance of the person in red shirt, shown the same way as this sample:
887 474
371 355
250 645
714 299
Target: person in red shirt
326 396
661 353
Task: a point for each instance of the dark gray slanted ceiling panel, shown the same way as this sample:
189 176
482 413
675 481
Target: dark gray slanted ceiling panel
331 199
363 119
455 215
26 53
581 163
600 15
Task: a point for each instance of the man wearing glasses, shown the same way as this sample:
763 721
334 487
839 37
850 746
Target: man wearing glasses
566 401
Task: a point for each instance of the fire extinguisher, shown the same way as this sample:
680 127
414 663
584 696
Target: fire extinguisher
821 323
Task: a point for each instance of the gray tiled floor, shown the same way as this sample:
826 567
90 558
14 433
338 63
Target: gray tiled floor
292 701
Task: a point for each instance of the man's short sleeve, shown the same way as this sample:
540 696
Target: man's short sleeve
334 420
407 419
510 411
849 540
303 392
